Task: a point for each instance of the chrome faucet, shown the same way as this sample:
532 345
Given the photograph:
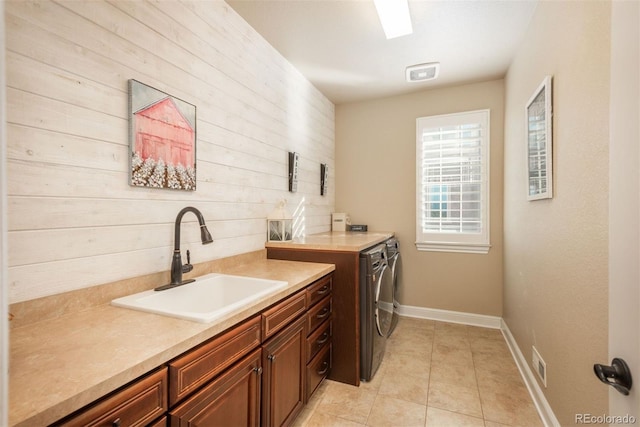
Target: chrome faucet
176 263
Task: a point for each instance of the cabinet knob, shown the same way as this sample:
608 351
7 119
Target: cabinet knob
258 370
271 357
116 422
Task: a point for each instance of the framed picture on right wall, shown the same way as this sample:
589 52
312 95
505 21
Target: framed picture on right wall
539 142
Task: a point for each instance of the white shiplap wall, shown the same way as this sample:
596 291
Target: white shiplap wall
74 221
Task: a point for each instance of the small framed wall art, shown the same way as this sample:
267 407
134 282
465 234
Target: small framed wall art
162 139
324 178
293 171
538 121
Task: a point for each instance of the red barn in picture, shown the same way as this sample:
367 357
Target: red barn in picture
162 138
163 133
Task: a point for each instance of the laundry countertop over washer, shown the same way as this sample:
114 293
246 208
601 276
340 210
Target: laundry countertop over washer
341 241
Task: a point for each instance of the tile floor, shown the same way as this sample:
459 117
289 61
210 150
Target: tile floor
433 374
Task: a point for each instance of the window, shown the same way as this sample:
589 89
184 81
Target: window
452 188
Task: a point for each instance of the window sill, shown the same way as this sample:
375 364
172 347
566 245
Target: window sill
470 248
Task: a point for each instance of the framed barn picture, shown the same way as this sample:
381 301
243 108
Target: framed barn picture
162 138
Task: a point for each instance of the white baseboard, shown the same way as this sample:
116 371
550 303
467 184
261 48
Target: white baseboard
544 409
542 405
483 320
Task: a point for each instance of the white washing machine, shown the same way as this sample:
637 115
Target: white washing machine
376 308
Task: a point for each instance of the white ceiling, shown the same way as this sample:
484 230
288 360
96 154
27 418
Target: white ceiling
339 45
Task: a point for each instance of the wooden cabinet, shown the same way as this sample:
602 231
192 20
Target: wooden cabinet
345 307
259 372
298 357
137 404
283 381
232 399
231 392
319 334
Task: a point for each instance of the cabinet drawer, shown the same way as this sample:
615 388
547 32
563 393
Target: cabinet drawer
319 290
135 405
318 339
317 370
190 371
319 313
280 315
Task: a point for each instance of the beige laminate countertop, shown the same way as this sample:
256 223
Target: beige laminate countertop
340 241
60 365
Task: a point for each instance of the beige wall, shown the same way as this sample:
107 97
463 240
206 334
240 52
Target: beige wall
73 220
375 184
555 264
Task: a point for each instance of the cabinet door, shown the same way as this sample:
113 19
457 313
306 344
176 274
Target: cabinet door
233 399
283 382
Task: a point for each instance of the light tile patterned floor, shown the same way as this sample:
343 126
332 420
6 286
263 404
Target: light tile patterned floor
433 374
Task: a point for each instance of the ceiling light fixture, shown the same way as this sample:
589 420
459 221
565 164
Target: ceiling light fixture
423 72
394 16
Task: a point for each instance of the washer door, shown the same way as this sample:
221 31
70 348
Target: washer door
384 301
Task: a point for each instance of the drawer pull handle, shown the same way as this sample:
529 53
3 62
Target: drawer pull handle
324 290
324 369
324 313
323 339
116 423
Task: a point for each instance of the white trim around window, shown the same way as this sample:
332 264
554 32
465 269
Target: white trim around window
452 182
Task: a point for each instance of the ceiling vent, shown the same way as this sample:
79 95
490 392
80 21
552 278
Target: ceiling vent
423 72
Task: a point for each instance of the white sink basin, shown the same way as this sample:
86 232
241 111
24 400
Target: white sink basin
208 298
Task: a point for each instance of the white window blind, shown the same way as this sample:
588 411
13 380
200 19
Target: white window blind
452 200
